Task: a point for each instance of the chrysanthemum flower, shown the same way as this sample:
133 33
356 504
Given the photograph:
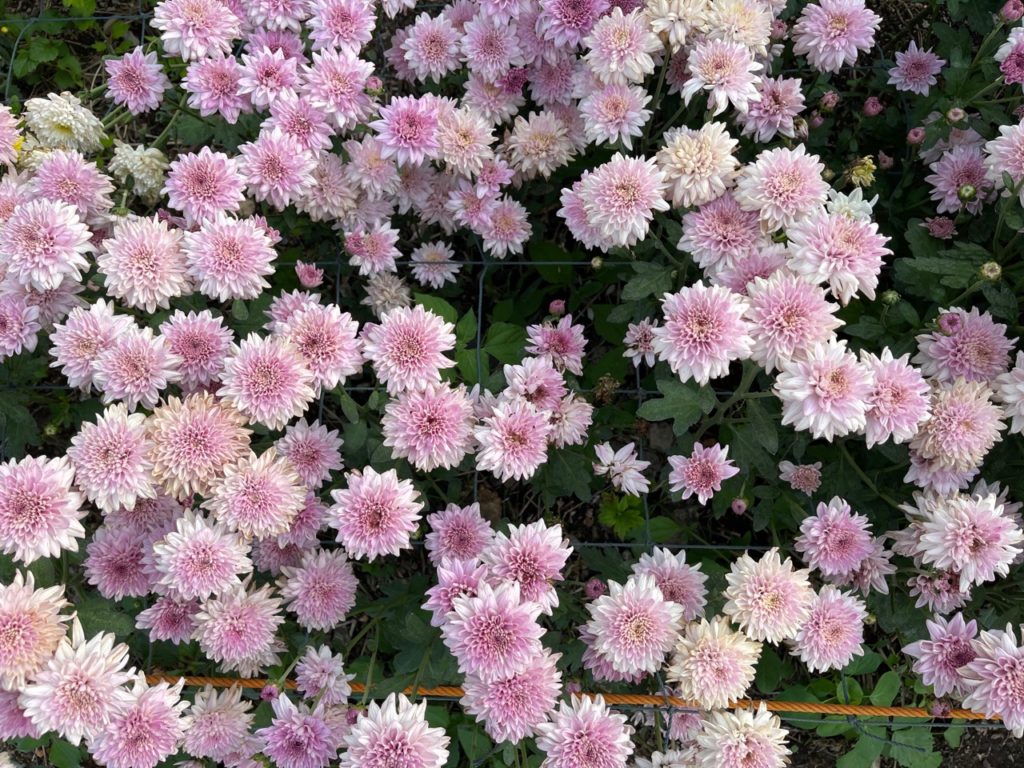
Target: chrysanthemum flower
768 599
147 731
169 619
713 664
136 80
396 727
938 591
81 687
532 556
678 581
202 342
782 185
335 84
407 347
962 166
513 708
763 261
698 165
639 343
115 563
966 344
845 252
237 629
267 75
614 113
433 265
386 292
279 15
313 450
220 723
111 461
940 658
539 144
513 441
145 166
743 738
407 129
343 24
229 258
621 47
301 736
42 243
805 478
60 121
916 71
457 533
963 426
832 32
991 678
13 723
727 71
620 198
31 628
319 591
833 632
275 169
432 427
774 113
320 675
898 402
151 517
10 136
455 578
566 22
136 368
144 264
200 558
375 514
431 47
195 29
507 228
719 233
835 540
64 176
702 473
19 325
1009 391
302 123
623 468
489 47
259 496
76 344
584 733
327 339
39 513
214 87
599 666
825 392
267 380
203 184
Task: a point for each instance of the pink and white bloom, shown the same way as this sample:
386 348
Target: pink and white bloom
712 663
623 467
533 556
199 558
916 71
834 631
111 460
831 33
768 598
31 628
147 731
40 514
678 581
702 473
321 590
457 533
949 647
835 540
396 727
375 513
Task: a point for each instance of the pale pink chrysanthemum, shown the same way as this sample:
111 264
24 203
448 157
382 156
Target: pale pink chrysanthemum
54 304
65 176
431 427
843 251
136 368
949 647
621 46
147 731
775 112
202 342
898 402
267 76
136 80
373 249
832 32
193 441
719 233
395 728
31 628
702 473
320 675
335 84
621 196
327 339
566 22
275 169
782 185
493 634
513 708
507 228
833 632
310 275
13 723
39 512
320 590
712 663
343 24
375 513
490 47
303 736
788 315
825 391
201 557
835 540
963 426
267 380
307 524
768 599
19 325
203 184
195 29
42 243
1004 155
457 533
114 563
971 535
220 723
285 305
615 113
277 14
169 619
433 265
633 626
531 556
639 343
960 167
704 330
313 450
539 143
967 344
407 129
762 261
552 79
1009 392
727 71
259 496
513 441
741 738
144 264
300 122
10 136
455 578
431 47
805 478
584 733
873 572
15 189
916 71
152 517
407 347
465 139
993 679
214 87
237 629
81 687
699 164
535 380
111 460
938 591
386 292
678 581
623 467
570 421
369 169
599 666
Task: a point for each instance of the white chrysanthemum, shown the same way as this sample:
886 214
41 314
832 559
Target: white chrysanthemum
539 144
59 121
699 165
713 664
31 627
743 737
768 599
747 22
1009 389
675 20
145 166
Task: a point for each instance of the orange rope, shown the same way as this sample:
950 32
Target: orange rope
454 692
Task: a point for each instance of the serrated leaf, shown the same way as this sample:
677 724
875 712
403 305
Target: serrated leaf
100 615
64 755
869 748
765 428
438 306
504 342
684 403
466 328
649 280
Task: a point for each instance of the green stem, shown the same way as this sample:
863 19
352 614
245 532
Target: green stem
749 374
369 669
419 672
159 141
865 479
360 635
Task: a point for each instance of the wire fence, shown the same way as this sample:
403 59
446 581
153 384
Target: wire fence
859 718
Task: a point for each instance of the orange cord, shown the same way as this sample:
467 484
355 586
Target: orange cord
454 692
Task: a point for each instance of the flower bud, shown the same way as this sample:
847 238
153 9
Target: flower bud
890 297
967 192
829 100
949 323
269 692
573 687
556 308
990 270
941 708
816 120
594 588
915 135
872 106
885 162
597 262
738 506
1011 11
956 115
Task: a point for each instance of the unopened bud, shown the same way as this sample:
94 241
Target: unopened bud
594 588
1011 11
738 506
967 192
556 308
890 297
915 135
269 692
956 115
872 106
990 270
597 262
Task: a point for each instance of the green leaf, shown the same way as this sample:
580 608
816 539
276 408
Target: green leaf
41 49
885 689
864 665
466 360
650 280
764 427
663 529
1001 300
465 329
238 310
438 306
620 514
64 755
505 342
100 615
348 406
769 671
869 748
684 403
913 748
566 473
474 742
556 274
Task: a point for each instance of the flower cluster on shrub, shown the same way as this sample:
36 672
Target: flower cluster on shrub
213 480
